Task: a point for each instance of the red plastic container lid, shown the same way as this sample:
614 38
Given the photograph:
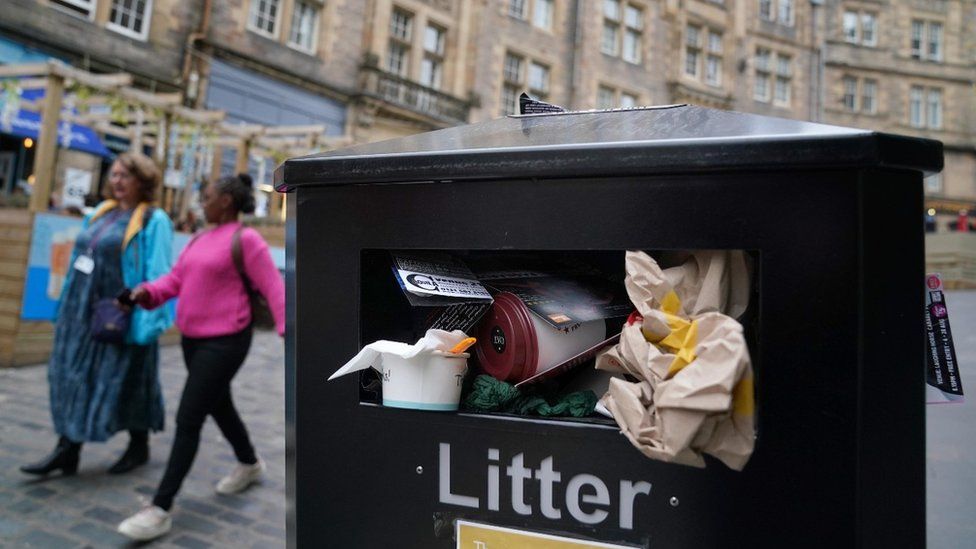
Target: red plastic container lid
507 347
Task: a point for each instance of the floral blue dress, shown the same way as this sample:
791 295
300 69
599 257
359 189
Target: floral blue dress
98 389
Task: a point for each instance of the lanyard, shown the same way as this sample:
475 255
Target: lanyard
108 222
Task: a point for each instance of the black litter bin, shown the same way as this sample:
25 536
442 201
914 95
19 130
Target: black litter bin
832 219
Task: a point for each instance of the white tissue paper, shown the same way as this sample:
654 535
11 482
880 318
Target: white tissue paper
371 356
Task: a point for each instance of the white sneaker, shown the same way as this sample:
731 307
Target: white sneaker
149 523
241 477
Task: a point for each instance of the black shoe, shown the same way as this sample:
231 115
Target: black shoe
64 457
134 456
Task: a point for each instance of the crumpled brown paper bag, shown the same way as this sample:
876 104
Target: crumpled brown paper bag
694 392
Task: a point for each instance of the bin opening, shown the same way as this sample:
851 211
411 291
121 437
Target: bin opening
540 317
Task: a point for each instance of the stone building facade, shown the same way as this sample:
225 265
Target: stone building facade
376 69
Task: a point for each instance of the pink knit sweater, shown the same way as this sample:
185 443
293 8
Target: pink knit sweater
212 299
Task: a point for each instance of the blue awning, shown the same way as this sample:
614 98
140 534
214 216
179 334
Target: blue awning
71 136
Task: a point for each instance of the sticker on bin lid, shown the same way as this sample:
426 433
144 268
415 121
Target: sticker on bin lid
506 347
473 535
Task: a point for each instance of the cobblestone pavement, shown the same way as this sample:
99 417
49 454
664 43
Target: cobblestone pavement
83 510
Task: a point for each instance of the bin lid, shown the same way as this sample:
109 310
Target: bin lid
618 142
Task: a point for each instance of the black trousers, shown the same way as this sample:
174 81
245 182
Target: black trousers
211 364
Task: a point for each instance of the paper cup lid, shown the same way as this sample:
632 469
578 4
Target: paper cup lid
506 347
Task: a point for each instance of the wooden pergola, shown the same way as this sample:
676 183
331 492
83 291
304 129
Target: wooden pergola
108 104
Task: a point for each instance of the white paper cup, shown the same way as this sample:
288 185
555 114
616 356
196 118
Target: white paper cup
424 382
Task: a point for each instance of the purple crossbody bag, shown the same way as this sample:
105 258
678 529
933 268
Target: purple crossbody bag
109 322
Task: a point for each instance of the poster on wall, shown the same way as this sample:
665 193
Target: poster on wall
47 265
77 185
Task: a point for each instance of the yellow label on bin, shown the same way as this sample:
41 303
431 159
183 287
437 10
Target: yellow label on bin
471 535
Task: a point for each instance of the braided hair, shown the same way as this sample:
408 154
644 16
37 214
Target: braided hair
240 187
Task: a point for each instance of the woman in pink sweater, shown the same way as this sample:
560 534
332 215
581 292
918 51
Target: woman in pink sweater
214 316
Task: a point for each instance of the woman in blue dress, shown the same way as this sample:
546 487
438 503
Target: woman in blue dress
98 389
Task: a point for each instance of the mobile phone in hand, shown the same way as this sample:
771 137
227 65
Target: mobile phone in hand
125 298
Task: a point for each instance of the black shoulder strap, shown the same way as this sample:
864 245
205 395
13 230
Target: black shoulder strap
238 255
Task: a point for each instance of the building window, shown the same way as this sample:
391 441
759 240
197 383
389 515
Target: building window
400 25
861 28
925 107
918 29
263 18
304 26
604 97
513 78
860 95
609 98
869 96
542 14
611 27
713 61
850 93
760 90
633 27
623 25
773 82
926 40
83 8
538 80
934 109
432 65
786 12
777 10
709 54
784 77
935 42
398 50
692 50
130 17
518 9
869 28
933 184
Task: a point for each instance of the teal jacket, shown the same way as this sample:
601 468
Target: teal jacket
147 255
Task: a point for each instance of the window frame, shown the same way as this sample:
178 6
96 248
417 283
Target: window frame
313 32
126 31
916 107
276 22
850 86
865 85
521 15
550 12
402 41
790 8
693 49
785 76
541 93
78 5
513 85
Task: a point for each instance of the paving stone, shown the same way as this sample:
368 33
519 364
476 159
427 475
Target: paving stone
235 518
9 529
41 538
191 542
41 492
105 515
193 504
25 506
83 510
99 534
192 521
